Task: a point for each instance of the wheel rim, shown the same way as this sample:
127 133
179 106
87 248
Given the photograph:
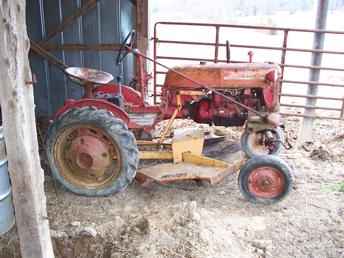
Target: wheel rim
266 182
259 143
86 156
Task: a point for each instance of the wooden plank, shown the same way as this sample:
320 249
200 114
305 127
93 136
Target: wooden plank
83 47
48 56
70 19
18 115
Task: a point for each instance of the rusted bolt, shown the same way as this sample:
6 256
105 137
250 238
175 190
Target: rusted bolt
250 56
34 80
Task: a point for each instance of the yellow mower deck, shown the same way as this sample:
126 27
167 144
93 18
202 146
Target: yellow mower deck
187 161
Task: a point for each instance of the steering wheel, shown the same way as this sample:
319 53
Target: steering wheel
128 42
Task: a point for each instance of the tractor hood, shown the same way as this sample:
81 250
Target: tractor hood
224 76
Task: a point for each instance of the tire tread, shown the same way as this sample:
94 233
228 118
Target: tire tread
116 128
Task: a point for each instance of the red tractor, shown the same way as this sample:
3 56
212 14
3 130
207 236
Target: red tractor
93 143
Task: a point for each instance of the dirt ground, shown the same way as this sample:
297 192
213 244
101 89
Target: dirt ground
198 221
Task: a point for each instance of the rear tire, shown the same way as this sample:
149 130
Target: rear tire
265 179
111 153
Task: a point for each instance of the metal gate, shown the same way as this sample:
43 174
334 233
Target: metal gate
179 43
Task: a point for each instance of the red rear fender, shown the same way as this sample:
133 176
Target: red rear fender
97 103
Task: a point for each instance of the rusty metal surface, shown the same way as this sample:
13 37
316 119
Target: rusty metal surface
260 144
284 49
222 76
204 86
86 156
169 172
89 75
186 160
266 182
248 27
97 103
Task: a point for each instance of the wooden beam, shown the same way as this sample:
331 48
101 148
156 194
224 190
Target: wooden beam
47 55
83 47
18 115
142 22
70 19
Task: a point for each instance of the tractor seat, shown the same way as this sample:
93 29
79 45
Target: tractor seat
83 75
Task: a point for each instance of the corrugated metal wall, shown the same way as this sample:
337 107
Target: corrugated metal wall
109 22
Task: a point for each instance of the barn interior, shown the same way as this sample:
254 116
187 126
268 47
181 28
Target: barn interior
172 209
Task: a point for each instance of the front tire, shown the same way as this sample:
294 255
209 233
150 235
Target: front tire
91 152
257 144
265 179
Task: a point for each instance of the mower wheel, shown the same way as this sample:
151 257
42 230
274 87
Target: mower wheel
265 179
257 144
91 152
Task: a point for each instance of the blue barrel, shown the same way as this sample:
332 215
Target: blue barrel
6 206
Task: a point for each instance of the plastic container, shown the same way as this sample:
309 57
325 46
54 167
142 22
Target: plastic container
6 207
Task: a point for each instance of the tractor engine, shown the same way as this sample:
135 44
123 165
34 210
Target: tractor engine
256 85
215 109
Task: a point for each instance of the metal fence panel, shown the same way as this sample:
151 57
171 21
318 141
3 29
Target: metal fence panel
178 46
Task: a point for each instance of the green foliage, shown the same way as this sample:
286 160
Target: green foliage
338 187
341 187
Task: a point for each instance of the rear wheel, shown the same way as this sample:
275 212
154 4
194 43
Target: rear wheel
265 179
91 152
263 142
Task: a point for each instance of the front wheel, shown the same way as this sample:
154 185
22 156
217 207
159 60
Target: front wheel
265 179
91 152
263 142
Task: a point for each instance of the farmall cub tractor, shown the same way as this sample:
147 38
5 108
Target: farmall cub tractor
94 144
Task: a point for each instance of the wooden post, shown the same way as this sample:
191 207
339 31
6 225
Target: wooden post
142 21
16 98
